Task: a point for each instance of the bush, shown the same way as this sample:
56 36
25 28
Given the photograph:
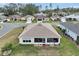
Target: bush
7 47
63 30
77 42
34 21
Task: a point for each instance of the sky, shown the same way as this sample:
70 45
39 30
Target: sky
54 5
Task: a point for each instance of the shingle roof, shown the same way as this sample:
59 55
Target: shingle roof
14 16
40 30
72 26
40 15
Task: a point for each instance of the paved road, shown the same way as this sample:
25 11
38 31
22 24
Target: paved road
8 27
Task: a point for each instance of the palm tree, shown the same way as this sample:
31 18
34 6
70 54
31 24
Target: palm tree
57 9
46 7
40 6
50 5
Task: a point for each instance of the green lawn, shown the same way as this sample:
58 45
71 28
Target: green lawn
19 21
50 21
66 47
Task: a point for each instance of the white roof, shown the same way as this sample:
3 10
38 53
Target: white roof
72 16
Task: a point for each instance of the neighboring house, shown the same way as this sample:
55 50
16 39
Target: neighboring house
72 17
55 17
60 13
28 18
14 17
71 29
41 17
40 34
3 18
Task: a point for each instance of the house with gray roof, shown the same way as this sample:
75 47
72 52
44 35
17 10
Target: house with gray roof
71 17
41 17
72 29
40 34
14 17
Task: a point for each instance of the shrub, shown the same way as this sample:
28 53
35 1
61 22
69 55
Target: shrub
7 47
77 42
63 30
34 21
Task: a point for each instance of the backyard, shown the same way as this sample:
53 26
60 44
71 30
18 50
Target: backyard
66 47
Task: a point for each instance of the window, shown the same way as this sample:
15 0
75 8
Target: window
52 39
55 39
39 19
39 40
49 39
26 40
23 40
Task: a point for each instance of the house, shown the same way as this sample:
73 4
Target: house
55 17
72 17
28 18
41 17
60 13
71 29
14 17
39 34
3 18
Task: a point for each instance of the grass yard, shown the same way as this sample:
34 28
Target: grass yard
10 37
19 21
50 21
66 47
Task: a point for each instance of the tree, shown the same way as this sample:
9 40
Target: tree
77 42
29 9
10 9
46 7
1 9
57 9
50 5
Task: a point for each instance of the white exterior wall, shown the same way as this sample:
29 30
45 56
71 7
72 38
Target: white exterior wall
62 27
70 33
29 20
32 41
77 19
63 19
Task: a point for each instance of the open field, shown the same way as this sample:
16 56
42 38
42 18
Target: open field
66 47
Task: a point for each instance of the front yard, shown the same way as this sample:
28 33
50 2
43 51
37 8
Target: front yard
66 47
17 21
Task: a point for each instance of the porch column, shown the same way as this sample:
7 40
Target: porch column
46 40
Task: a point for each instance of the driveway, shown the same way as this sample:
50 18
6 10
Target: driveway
8 27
